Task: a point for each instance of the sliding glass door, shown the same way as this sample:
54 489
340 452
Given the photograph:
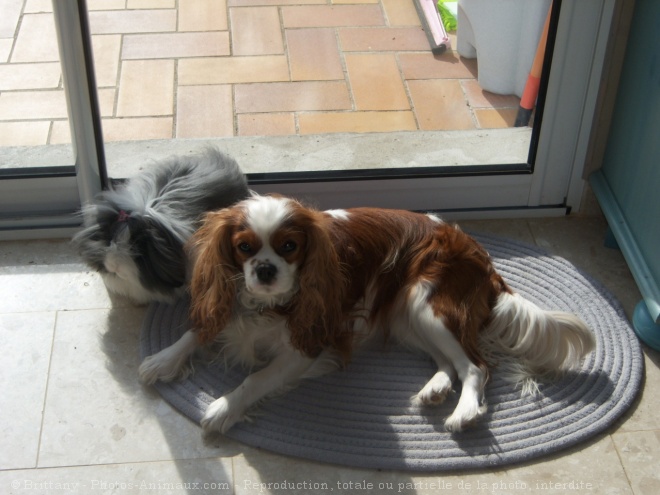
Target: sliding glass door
478 172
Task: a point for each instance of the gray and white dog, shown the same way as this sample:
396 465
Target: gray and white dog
138 230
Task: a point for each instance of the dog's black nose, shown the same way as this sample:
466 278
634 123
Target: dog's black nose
266 272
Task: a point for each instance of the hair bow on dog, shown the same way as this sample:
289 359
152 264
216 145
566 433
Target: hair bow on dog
123 216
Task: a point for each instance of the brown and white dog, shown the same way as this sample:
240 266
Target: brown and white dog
291 291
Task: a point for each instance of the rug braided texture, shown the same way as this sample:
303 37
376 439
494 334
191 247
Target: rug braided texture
363 417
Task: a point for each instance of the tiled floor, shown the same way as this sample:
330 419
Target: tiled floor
72 411
217 68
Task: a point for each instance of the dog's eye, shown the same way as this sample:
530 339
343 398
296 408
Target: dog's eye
245 247
288 247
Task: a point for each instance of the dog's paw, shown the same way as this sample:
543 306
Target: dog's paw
155 368
435 391
221 415
463 418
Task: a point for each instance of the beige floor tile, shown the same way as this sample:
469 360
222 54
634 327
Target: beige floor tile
5 49
581 243
26 343
400 13
495 118
106 48
146 88
439 105
175 45
256 31
137 129
591 467
375 82
202 15
639 452
266 124
382 39
320 123
11 13
332 16
47 276
429 66
204 111
132 21
94 360
29 76
36 40
33 105
291 97
24 133
227 70
313 54
178 477
478 98
643 415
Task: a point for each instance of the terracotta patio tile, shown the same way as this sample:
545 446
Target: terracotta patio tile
175 45
202 15
314 54
256 31
106 4
38 6
375 82
332 16
252 3
146 88
132 21
224 70
29 76
345 2
24 133
383 39
33 105
60 132
11 13
36 40
204 111
150 4
478 98
137 129
439 105
266 124
400 13
107 101
106 48
319 123
291 97
429 66
495 118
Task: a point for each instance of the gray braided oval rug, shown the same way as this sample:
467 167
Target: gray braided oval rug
362 416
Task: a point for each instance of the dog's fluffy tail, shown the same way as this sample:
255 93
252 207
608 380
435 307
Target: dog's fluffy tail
532 343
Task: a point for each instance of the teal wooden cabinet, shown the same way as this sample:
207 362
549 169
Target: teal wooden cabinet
628 184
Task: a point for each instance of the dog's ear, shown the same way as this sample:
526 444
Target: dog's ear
212 285
158 254
316 313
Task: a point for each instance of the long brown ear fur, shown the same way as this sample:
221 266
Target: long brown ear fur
212 285
316 314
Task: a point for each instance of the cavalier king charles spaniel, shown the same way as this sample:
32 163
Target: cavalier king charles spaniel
291 291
